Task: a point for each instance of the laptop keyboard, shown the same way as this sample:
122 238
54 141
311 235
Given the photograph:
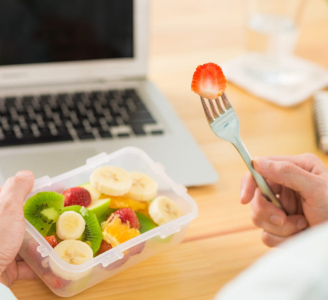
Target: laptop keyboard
74 116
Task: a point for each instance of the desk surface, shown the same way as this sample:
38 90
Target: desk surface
221 242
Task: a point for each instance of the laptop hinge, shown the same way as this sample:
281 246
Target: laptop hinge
135 78
73 82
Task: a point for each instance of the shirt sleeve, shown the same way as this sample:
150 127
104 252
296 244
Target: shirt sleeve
296 271
5 293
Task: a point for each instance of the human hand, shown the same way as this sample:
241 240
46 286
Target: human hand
12 227
301 182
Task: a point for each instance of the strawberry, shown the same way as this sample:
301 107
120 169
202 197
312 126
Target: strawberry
51 240
119 263
53 281
104 246
137 249
128 215
77 196
208 81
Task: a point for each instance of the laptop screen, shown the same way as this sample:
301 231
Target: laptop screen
43 31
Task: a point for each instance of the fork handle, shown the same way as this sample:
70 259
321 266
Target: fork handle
262 184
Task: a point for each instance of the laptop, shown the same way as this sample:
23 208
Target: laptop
73 84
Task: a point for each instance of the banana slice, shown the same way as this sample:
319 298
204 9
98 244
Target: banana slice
143 187
163 210
70 225
75 253
112 181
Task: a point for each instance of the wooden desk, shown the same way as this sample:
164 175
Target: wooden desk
222 241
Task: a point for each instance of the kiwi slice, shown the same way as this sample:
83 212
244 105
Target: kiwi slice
42 210
106 214
52 230
146 224
99 207
92 234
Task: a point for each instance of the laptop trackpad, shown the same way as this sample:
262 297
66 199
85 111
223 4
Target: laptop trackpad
49 163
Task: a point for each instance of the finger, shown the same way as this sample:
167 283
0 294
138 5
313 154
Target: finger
16 188
272 240
266 212
10 274
24 271
286 174
18 258
293 225
290 202
275 187
248 187
307 161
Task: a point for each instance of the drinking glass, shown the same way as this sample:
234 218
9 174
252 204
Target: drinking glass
272 34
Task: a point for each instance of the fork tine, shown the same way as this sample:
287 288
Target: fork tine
215 113
226 101
206 111
218 103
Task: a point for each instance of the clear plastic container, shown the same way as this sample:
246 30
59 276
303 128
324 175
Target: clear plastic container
37 252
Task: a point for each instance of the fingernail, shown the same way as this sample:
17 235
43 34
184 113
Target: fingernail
277 220
301 224
25 174
261 162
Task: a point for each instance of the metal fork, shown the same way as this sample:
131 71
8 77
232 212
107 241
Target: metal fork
225 124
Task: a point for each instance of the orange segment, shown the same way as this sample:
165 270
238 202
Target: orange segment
115 232
123 201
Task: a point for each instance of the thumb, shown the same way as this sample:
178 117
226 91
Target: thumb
286 174
16 188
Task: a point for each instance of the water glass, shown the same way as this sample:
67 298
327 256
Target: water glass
272 34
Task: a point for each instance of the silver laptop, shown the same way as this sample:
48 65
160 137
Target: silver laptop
73 84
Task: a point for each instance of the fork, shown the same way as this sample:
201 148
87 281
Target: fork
224 123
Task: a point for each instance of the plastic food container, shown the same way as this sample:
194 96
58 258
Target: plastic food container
37 252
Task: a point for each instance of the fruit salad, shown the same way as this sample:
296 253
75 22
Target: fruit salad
90 219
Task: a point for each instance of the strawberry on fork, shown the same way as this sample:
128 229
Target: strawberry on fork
209 81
